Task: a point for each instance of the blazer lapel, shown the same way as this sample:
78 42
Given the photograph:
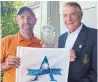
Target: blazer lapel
64 39
80 41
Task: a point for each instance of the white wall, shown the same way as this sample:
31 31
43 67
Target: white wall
89 13
90 17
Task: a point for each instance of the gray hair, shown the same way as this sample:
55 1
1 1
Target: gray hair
74 4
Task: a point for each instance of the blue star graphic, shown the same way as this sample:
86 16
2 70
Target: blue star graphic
44 69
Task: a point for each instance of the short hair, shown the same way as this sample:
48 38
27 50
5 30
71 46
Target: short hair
75 4
25 8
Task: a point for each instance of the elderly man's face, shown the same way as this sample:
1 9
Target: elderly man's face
26 21
72 17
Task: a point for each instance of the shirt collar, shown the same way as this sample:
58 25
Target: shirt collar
76 31
21 38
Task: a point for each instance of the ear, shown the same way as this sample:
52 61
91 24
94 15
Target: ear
81 15
16 20
34 21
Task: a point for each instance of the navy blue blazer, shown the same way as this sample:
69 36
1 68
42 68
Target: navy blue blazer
84 68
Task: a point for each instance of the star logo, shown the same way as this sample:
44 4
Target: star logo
44 69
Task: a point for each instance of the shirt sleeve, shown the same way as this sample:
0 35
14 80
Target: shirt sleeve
3 45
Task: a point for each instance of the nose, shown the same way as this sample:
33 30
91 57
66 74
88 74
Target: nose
26 20
69 18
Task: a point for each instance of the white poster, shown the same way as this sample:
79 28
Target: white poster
42 65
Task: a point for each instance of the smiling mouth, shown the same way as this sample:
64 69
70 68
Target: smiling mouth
26 25
69 23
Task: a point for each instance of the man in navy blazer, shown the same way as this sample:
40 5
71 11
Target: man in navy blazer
82 44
